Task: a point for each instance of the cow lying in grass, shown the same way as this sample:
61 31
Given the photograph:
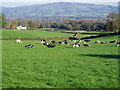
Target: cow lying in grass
86 41
97 41
52 41
43 41
66 42
63 42
103 42
86 45
60 42
76 45
18 41
29 46
49 45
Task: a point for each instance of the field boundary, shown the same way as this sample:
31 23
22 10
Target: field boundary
92 33
101 35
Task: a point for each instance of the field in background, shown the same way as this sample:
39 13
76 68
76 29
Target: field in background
36 33
30 34
59 67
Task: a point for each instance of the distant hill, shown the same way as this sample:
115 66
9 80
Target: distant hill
108 3
59 9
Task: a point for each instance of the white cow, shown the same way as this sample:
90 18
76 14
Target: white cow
18 41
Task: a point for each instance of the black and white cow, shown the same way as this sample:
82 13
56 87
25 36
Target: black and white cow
29 46
43 41
50 46
97 41
86 41
76 45
52 41
66 42
86 45
103 42
60 42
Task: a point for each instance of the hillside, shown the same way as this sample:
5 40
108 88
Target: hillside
59 9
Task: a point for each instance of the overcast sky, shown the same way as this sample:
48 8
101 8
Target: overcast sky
60 0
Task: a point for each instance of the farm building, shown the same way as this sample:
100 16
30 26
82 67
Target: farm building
21 27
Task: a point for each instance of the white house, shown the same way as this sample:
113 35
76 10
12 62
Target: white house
21 27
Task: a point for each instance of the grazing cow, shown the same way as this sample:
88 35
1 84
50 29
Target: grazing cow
77 41
60 42
76 45
43 41
18 41
113 41
97 41
50 46
103 42
52 41
29 46
86 45
87 41
66 42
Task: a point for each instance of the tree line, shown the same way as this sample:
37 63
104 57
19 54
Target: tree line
111 24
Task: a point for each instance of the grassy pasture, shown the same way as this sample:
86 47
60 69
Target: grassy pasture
35 33
59 67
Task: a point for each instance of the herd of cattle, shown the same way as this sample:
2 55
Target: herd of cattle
74 43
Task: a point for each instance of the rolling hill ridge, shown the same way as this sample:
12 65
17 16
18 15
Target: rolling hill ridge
59 9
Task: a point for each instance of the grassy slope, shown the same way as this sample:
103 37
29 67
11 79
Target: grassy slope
36 33
61 67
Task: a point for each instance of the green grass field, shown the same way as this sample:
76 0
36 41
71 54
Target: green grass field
35 33
59 67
